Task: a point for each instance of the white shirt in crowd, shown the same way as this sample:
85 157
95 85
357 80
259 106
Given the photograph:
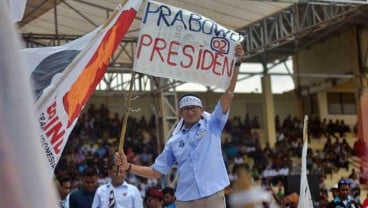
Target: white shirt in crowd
125 196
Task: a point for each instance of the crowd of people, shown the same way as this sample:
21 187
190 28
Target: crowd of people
94 141
198 161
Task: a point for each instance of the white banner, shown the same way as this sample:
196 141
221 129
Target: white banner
179 44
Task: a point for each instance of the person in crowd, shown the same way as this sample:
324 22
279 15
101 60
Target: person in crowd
83 197
64 185
355 195
169 197
117 193
196 149
343 200
365 202
291 200
153 198
323 201
247 195
334 191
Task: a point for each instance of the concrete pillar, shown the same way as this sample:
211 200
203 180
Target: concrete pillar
269 110
359 69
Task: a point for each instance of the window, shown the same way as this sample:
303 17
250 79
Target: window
341 103
310 105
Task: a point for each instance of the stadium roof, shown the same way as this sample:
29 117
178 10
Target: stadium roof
77 17
274 30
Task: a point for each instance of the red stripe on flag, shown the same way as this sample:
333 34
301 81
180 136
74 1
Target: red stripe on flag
86 83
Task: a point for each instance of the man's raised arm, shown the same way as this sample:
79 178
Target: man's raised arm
227 97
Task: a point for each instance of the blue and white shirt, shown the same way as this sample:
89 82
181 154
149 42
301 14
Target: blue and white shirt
197 152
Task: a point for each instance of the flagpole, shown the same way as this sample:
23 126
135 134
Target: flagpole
109 19
125 117
126 113
127 109
113 15
127 106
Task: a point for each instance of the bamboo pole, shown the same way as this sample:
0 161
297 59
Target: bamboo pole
128 98
125 117
113 14
127 109
126 113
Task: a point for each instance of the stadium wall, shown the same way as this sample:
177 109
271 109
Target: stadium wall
285 104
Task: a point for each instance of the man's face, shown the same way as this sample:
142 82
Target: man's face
344 191
168 199
323 202
335 192
130 154
65 188
90 183
153 202
191 114
117 179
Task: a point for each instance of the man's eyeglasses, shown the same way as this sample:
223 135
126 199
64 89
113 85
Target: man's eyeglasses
191 108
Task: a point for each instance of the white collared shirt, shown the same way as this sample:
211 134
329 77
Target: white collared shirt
126 196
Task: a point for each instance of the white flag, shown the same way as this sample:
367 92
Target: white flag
305 198
16 8
24 179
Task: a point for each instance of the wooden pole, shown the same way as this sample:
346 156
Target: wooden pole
126 113
125 117
113 15
127 108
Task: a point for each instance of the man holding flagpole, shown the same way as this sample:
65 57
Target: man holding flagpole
195 147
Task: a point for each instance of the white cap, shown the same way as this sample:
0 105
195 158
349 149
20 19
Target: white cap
190 100
334 187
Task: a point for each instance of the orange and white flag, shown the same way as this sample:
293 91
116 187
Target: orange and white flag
66 76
